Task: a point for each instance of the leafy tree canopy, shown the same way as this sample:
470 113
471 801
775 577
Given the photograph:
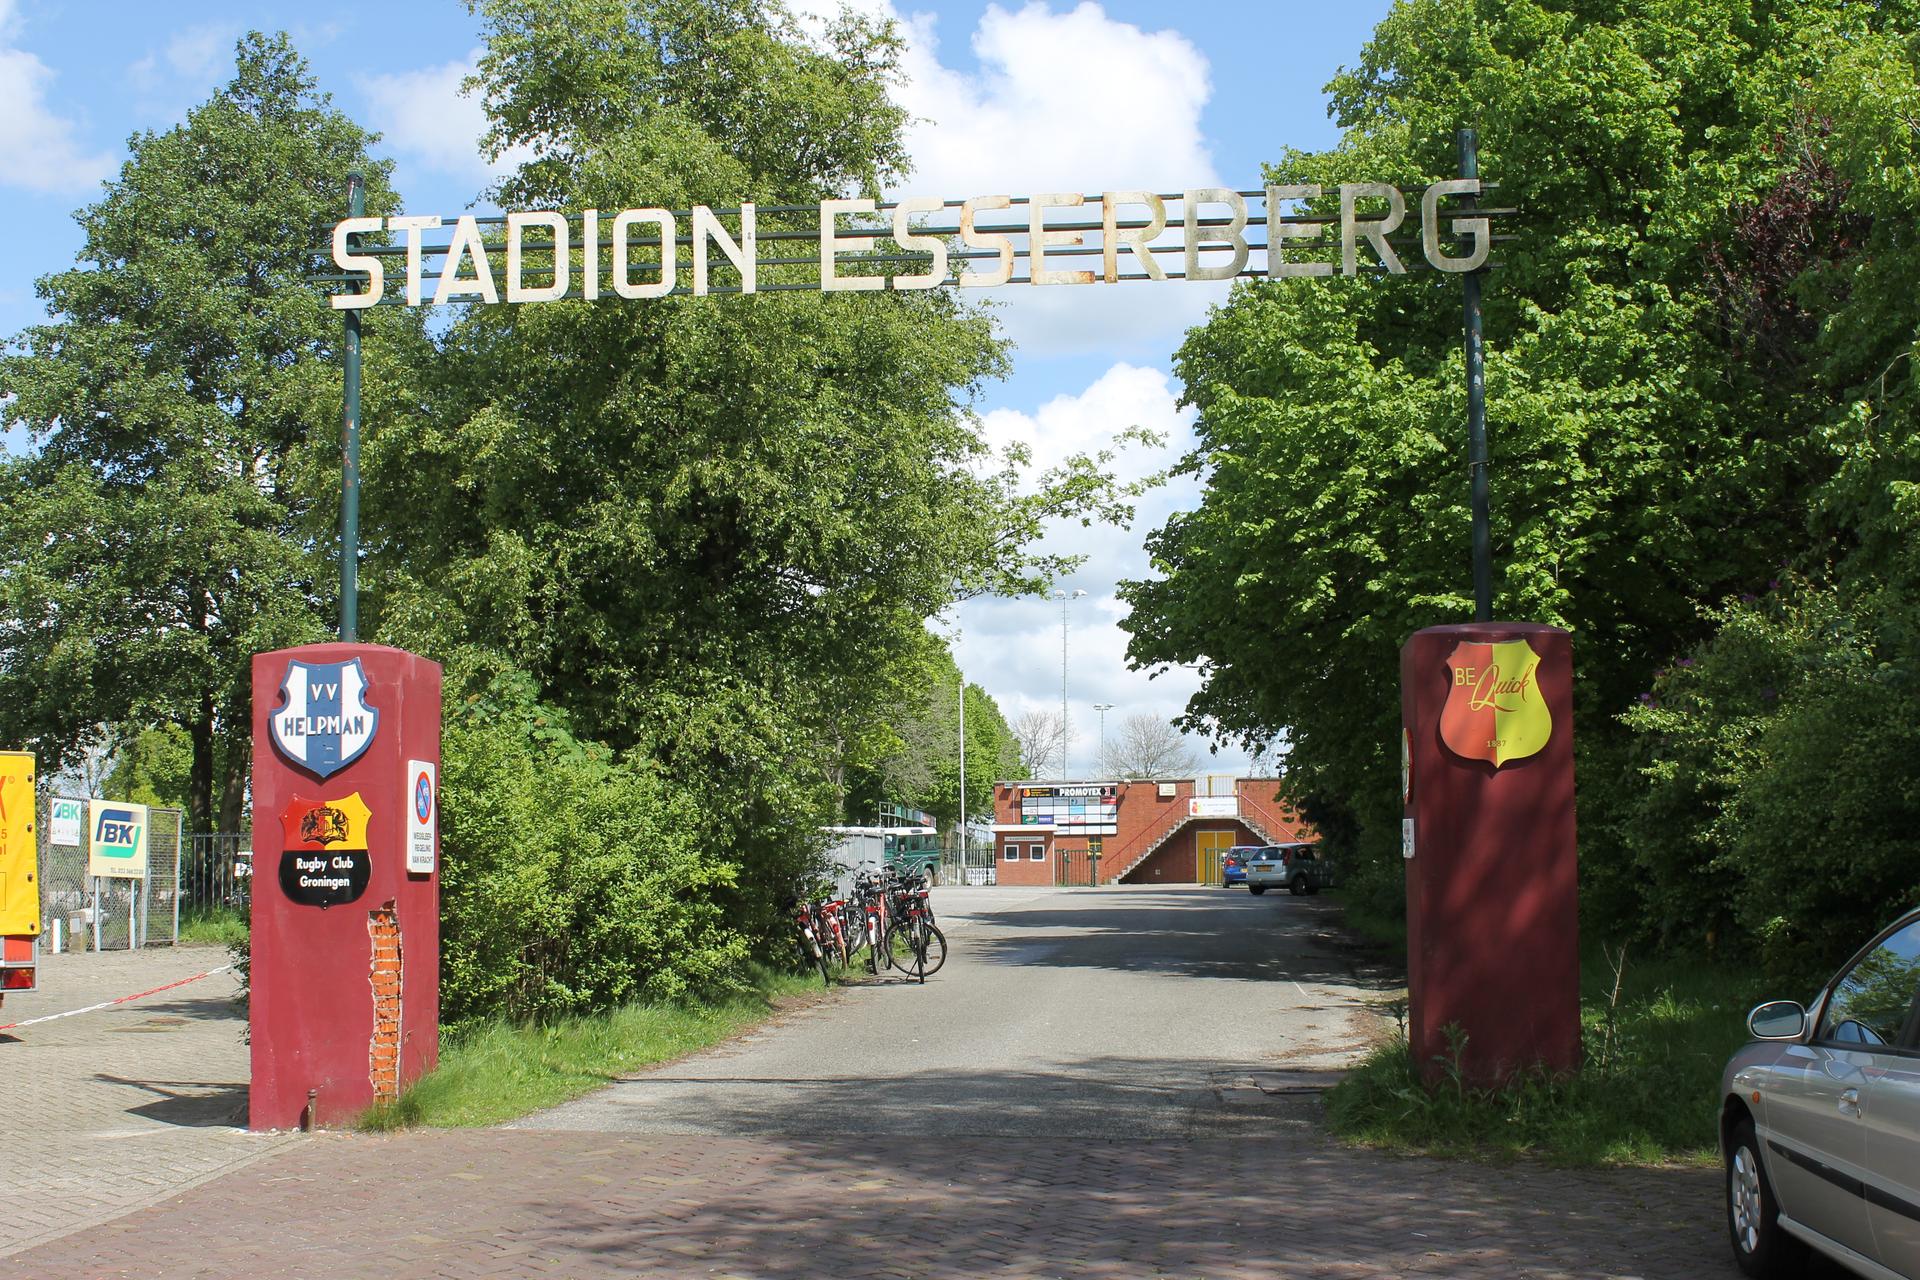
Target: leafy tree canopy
1658 414
176 516
710 528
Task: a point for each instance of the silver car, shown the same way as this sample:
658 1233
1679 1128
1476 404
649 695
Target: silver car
1820 1121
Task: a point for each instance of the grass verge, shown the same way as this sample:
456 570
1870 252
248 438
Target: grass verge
1648 1093
500 1071
212 926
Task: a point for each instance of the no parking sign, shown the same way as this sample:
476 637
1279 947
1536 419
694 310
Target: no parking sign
423 798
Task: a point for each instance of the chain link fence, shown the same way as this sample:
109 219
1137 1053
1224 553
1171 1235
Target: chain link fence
81 912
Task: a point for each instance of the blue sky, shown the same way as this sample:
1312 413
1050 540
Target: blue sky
1012 98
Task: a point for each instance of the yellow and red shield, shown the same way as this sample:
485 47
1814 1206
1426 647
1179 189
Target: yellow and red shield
326 824
1494 710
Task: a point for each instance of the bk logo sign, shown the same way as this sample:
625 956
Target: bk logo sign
324 723
1494 711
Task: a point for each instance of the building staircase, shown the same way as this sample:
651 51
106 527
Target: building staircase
1179 817
1248 812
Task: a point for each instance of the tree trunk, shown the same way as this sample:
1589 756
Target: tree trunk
233 788
200 784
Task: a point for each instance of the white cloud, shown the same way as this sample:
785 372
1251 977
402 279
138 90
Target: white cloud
40 149
194 62
1061 101
427 118
1068 101
200 53
1012 647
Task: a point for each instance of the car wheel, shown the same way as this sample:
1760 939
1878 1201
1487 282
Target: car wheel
1256 888
1296 886
1760 1246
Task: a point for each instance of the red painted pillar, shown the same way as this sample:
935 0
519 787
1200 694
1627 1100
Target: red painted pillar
1488 835
345 978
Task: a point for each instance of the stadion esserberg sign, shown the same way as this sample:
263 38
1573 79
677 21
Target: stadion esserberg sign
469 270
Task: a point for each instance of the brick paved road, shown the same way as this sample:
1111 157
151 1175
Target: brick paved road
109 1110
716 1168
465 1206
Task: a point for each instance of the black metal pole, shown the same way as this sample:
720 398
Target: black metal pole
1477 414
350 450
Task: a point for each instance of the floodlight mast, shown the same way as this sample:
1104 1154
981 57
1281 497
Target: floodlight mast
1065 734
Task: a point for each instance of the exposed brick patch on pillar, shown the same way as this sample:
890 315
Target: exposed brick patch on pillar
383 1067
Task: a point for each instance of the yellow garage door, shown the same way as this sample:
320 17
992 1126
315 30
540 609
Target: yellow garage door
1213 846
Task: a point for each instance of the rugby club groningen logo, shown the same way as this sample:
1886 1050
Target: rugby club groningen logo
324 722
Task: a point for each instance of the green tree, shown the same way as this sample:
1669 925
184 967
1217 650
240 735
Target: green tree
914 756
1776 765
151 766
711 528
1644 463
176 515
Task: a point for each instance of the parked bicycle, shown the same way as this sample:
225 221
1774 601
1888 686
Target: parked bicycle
888 915
914 942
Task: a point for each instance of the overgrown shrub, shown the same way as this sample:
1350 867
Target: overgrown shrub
1781 780
571 881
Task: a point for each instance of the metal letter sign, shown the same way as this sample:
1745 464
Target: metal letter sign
324 722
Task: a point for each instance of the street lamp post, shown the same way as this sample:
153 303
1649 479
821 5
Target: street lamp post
963 775
1102 708
1066 735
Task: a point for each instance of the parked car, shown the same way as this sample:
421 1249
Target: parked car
1233 864
1297 866
1820 1120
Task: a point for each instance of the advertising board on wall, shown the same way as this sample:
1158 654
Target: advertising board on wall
1076 809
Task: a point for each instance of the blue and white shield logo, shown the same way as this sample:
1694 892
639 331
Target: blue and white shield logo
324 723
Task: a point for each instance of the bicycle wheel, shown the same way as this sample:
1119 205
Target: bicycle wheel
817 954
899 946
936 950
930 950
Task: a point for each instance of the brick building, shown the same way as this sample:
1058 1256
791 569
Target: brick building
1140 832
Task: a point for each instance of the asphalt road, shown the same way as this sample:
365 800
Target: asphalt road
1100 1013
1113 1084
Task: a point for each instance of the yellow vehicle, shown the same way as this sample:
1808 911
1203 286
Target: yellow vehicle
19 878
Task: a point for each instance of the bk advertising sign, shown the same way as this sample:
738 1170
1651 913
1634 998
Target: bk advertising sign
117 841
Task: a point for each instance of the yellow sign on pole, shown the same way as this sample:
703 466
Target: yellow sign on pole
19 856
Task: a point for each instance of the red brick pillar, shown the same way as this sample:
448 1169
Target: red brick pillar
383 1055
1493 949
